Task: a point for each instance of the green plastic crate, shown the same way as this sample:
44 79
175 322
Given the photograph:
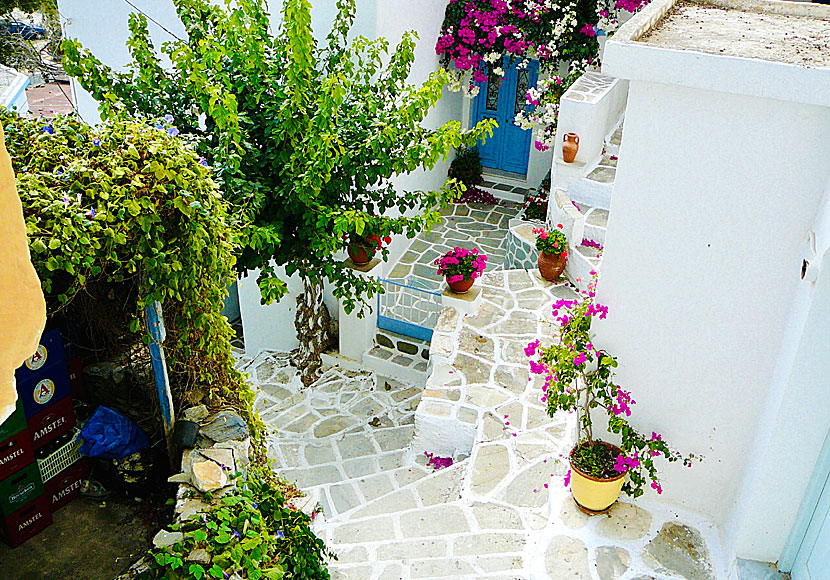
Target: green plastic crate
20 488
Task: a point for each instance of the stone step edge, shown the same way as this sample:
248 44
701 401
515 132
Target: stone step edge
505 195
388 369
460 465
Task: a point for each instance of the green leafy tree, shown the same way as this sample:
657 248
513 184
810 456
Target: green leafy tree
304 139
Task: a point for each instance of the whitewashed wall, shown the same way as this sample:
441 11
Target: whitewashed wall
714 196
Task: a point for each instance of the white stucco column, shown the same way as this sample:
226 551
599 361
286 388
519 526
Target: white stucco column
357 335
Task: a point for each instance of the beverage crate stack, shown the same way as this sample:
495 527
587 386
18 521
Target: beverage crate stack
39 468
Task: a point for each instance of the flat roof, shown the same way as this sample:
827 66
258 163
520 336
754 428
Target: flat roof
787 34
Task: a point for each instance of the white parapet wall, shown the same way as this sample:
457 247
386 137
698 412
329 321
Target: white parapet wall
591 108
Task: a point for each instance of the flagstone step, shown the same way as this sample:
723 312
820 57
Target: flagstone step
395 365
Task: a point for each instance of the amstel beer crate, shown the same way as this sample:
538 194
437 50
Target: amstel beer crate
49 353
43 389
26 522
51 423
66 485
15 453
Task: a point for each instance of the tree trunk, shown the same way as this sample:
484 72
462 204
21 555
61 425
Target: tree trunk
313 324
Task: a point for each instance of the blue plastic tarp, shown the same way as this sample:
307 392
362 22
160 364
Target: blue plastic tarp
110 435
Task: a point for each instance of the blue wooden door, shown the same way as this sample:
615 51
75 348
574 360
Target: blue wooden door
812 562
501 98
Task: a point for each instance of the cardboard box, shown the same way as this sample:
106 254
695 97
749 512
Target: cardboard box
51 423
49 353
66 485
15 423
20 489
26 522
44 389
15 453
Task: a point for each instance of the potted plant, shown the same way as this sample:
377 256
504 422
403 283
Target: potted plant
579 377
461 267
362 247
553 252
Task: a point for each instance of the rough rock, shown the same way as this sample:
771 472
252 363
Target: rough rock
165 538
208 476
179 478
199 556
225 426
196 414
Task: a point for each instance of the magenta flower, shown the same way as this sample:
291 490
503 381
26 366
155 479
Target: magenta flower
530 349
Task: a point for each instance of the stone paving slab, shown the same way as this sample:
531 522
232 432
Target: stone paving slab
475 225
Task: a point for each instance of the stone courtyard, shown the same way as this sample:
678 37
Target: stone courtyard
355 443
474 225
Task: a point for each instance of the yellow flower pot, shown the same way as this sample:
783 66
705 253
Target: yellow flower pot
592 494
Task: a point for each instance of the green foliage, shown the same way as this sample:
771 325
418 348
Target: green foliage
466 167
536 208
304 138
124 204
249 532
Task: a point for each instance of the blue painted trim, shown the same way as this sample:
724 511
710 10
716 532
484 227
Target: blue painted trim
405 328
808 509
155 326
26 82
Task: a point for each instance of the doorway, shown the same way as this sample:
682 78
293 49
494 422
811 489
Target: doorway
501 98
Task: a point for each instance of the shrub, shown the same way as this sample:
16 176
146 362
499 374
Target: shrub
467 168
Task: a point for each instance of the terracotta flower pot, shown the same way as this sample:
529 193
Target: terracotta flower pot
461 287
570 145
595 495
551 266
359 254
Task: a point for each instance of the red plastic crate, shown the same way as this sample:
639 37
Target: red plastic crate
15 453
26 522
66 486
52 422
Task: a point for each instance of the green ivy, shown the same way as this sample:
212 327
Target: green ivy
249 532
127 204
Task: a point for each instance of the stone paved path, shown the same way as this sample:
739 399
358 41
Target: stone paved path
500 511
473 225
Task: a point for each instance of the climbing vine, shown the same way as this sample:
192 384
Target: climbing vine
126 205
